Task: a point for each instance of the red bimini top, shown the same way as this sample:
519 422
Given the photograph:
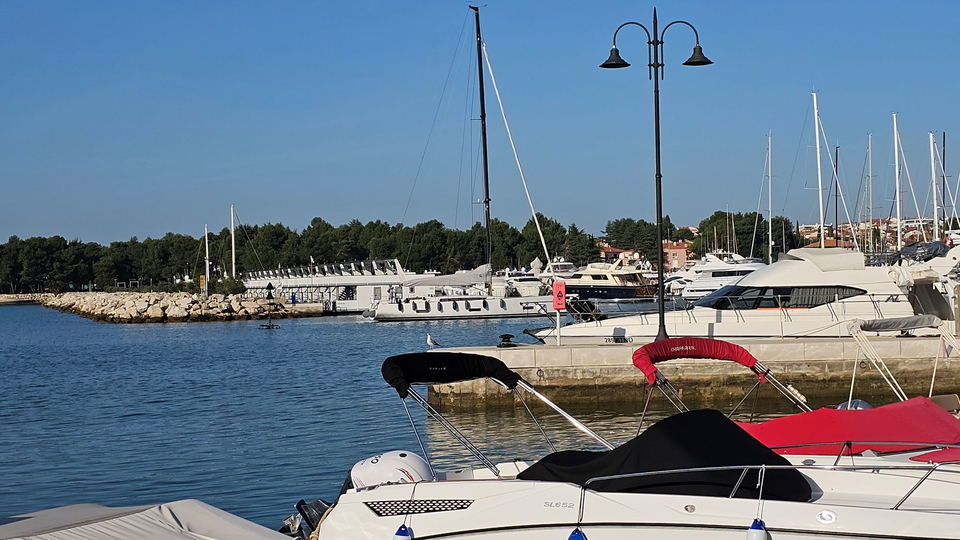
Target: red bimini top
916 420
669 349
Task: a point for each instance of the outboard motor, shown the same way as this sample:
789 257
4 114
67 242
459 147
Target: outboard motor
397 467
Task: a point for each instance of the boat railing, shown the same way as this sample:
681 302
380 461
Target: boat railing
927 469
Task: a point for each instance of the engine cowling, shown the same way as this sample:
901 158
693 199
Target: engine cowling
396 467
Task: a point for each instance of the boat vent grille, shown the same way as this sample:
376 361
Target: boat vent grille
425 506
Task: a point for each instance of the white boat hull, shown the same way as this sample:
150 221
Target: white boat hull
823 321
522 510
461 307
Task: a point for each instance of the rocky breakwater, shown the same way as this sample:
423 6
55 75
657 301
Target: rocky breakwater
164 307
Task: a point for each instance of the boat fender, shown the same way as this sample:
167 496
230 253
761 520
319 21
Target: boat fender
757 530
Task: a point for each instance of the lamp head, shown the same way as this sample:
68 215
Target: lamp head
614 61
697 58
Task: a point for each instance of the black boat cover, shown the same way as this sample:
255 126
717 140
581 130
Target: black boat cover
443 367
701 438
924 251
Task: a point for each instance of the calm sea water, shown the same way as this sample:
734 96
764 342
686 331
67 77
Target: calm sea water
244 419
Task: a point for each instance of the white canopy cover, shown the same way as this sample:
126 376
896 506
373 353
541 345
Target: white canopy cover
181 520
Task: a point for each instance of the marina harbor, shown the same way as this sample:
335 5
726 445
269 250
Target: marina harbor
483 290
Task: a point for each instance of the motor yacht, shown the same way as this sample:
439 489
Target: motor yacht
694 475
714 271
603 281
807 293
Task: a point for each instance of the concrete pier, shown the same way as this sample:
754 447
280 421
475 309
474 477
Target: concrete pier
604 375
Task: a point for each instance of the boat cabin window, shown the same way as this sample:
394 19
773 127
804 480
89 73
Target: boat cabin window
737 297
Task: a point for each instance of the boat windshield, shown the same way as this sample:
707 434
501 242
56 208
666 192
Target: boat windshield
739 297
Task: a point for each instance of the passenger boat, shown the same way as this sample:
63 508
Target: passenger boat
806 293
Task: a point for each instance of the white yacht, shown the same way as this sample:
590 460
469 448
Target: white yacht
609 281
716 270
808 292
464 295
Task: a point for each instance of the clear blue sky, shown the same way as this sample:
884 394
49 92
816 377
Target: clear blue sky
122 119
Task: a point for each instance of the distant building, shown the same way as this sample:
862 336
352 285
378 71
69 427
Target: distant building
675 254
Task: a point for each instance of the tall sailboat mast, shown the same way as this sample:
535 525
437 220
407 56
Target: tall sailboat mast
206 276
233 246
869 193
933 180
816 120
483 141
896 165
770 195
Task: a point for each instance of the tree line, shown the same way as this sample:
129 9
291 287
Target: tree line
174 261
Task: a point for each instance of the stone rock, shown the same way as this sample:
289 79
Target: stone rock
176 313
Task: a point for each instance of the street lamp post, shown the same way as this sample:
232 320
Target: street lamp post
654 65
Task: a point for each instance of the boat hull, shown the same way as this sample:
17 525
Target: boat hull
461 308
522 510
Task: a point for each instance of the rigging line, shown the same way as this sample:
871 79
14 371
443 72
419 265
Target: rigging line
433 126
513 146
861 193
465 149
951 194
843 200
249 240
796 158
906 169
756 221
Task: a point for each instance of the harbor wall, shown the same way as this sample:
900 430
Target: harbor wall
129 307
604 375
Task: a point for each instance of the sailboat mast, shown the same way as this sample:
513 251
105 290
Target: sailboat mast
816 120
869 242
206 276
483 139
933 180
233 246
770 194
836 196
896 165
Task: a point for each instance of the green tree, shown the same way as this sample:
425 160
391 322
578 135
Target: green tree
581 248
530 248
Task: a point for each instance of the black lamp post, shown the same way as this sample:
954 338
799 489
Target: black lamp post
654 56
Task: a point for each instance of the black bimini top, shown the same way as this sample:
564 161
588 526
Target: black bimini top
443 367
702 438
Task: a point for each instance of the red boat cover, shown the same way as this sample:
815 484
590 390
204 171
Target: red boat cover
669 349
916 420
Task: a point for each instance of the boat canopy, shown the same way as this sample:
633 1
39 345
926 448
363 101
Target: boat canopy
901 323
827 259
180 520
694 439
916 420
650 354
403 370
481 274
